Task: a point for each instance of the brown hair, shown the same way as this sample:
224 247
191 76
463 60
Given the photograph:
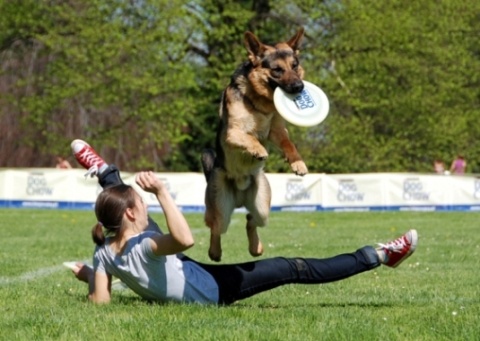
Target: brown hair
110 206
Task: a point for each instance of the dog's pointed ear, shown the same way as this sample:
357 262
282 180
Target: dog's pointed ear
295 41
254 47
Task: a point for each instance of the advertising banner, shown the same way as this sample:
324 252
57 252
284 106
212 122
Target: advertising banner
353 192
291 192
69 189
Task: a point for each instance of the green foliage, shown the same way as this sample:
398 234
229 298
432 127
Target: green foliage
143 79
114 70
431 296
400 74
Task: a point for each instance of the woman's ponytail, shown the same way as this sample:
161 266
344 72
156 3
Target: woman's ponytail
97 234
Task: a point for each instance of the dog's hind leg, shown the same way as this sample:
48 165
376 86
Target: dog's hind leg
258 204
219 204
208 162
255 246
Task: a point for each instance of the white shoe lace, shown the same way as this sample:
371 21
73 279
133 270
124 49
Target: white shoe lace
395 246
92 171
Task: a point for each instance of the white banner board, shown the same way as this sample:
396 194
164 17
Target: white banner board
69 189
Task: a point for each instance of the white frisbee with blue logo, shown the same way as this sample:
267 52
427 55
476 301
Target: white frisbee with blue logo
305 109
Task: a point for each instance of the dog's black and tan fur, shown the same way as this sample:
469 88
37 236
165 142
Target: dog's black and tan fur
248 119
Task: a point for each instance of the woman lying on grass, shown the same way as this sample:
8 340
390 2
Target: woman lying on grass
131 247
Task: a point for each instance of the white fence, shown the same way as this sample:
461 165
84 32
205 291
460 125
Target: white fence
68 189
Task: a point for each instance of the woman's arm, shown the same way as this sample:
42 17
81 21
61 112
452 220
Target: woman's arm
99 284
99 292
180 237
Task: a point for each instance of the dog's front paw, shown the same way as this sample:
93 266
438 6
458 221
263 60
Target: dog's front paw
299 167
259 154
260 157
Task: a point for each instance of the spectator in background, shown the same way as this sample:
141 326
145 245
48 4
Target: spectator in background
458 165
439 166
62 163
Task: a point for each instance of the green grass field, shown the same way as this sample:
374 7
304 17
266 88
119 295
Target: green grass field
434 295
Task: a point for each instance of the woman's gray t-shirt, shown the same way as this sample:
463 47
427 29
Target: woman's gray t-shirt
160 278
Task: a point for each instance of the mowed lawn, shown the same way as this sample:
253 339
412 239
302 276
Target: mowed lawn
434 295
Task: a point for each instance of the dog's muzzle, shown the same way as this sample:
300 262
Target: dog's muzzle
293 88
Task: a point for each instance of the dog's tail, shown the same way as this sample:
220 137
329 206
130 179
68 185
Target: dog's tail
208 162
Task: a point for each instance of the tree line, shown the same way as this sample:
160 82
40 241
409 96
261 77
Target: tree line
142 79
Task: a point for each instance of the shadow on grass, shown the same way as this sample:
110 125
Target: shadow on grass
126 300
116 299
316 305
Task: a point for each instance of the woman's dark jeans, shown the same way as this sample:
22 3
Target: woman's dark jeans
239 281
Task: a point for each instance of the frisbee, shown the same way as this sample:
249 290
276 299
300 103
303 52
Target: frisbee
305 109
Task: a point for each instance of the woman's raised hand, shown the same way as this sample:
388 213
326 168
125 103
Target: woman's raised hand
149 182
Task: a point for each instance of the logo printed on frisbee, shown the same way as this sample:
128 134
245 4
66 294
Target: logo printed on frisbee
305 109
304 100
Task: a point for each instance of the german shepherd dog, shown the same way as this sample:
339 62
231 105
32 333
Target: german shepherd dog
248 120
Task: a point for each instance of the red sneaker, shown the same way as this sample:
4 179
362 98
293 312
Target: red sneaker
87 157
399 249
